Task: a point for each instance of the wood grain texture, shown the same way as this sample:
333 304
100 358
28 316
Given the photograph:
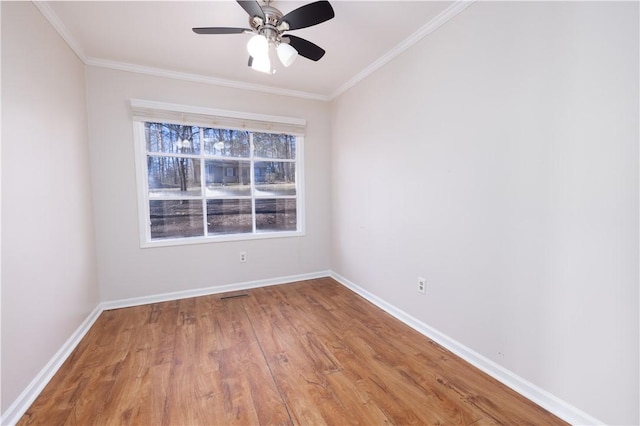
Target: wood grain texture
306 353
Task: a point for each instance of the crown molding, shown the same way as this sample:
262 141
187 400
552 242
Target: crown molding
453 10
178 75
442 18
62 30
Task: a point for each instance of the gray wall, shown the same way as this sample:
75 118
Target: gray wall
125 269
498 158
49 279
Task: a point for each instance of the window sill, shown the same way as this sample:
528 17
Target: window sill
219 239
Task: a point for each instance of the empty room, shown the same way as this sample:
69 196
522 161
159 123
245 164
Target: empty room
320 212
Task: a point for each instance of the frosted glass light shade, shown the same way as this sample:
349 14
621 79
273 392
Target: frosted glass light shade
287 54
261 63
258 46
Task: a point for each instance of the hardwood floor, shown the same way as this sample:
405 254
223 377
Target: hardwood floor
305 353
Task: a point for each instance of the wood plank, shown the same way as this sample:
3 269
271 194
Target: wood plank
292 360
309 352
371 362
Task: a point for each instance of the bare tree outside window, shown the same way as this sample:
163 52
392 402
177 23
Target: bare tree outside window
173 175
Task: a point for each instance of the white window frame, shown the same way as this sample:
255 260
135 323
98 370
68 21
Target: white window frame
150 111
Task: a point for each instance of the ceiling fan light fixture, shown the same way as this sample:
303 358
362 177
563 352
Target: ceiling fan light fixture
287 54
268 25
258 46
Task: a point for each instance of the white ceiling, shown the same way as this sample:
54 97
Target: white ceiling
156 37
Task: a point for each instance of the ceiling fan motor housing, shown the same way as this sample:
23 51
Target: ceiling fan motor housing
269 28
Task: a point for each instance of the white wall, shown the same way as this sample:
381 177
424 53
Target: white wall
126 270
49 279
498 158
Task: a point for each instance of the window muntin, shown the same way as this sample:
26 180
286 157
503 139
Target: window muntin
210 184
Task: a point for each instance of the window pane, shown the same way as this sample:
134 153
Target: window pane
275 178
176 219
229 217
271 145
173 177
226 178
226 142
276 215
172 138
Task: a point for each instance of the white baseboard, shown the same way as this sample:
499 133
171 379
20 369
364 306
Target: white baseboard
541 397
546 400
206 291
13 414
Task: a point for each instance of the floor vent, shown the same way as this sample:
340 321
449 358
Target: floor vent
235 296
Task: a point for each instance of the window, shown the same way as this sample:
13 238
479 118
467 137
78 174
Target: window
200 183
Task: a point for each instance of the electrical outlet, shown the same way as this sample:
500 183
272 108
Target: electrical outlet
243 256
422 285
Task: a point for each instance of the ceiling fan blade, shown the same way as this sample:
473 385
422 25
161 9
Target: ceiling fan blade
252 8
221 30
308 15
306 48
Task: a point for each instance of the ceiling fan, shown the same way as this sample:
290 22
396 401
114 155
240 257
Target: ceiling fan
268 26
